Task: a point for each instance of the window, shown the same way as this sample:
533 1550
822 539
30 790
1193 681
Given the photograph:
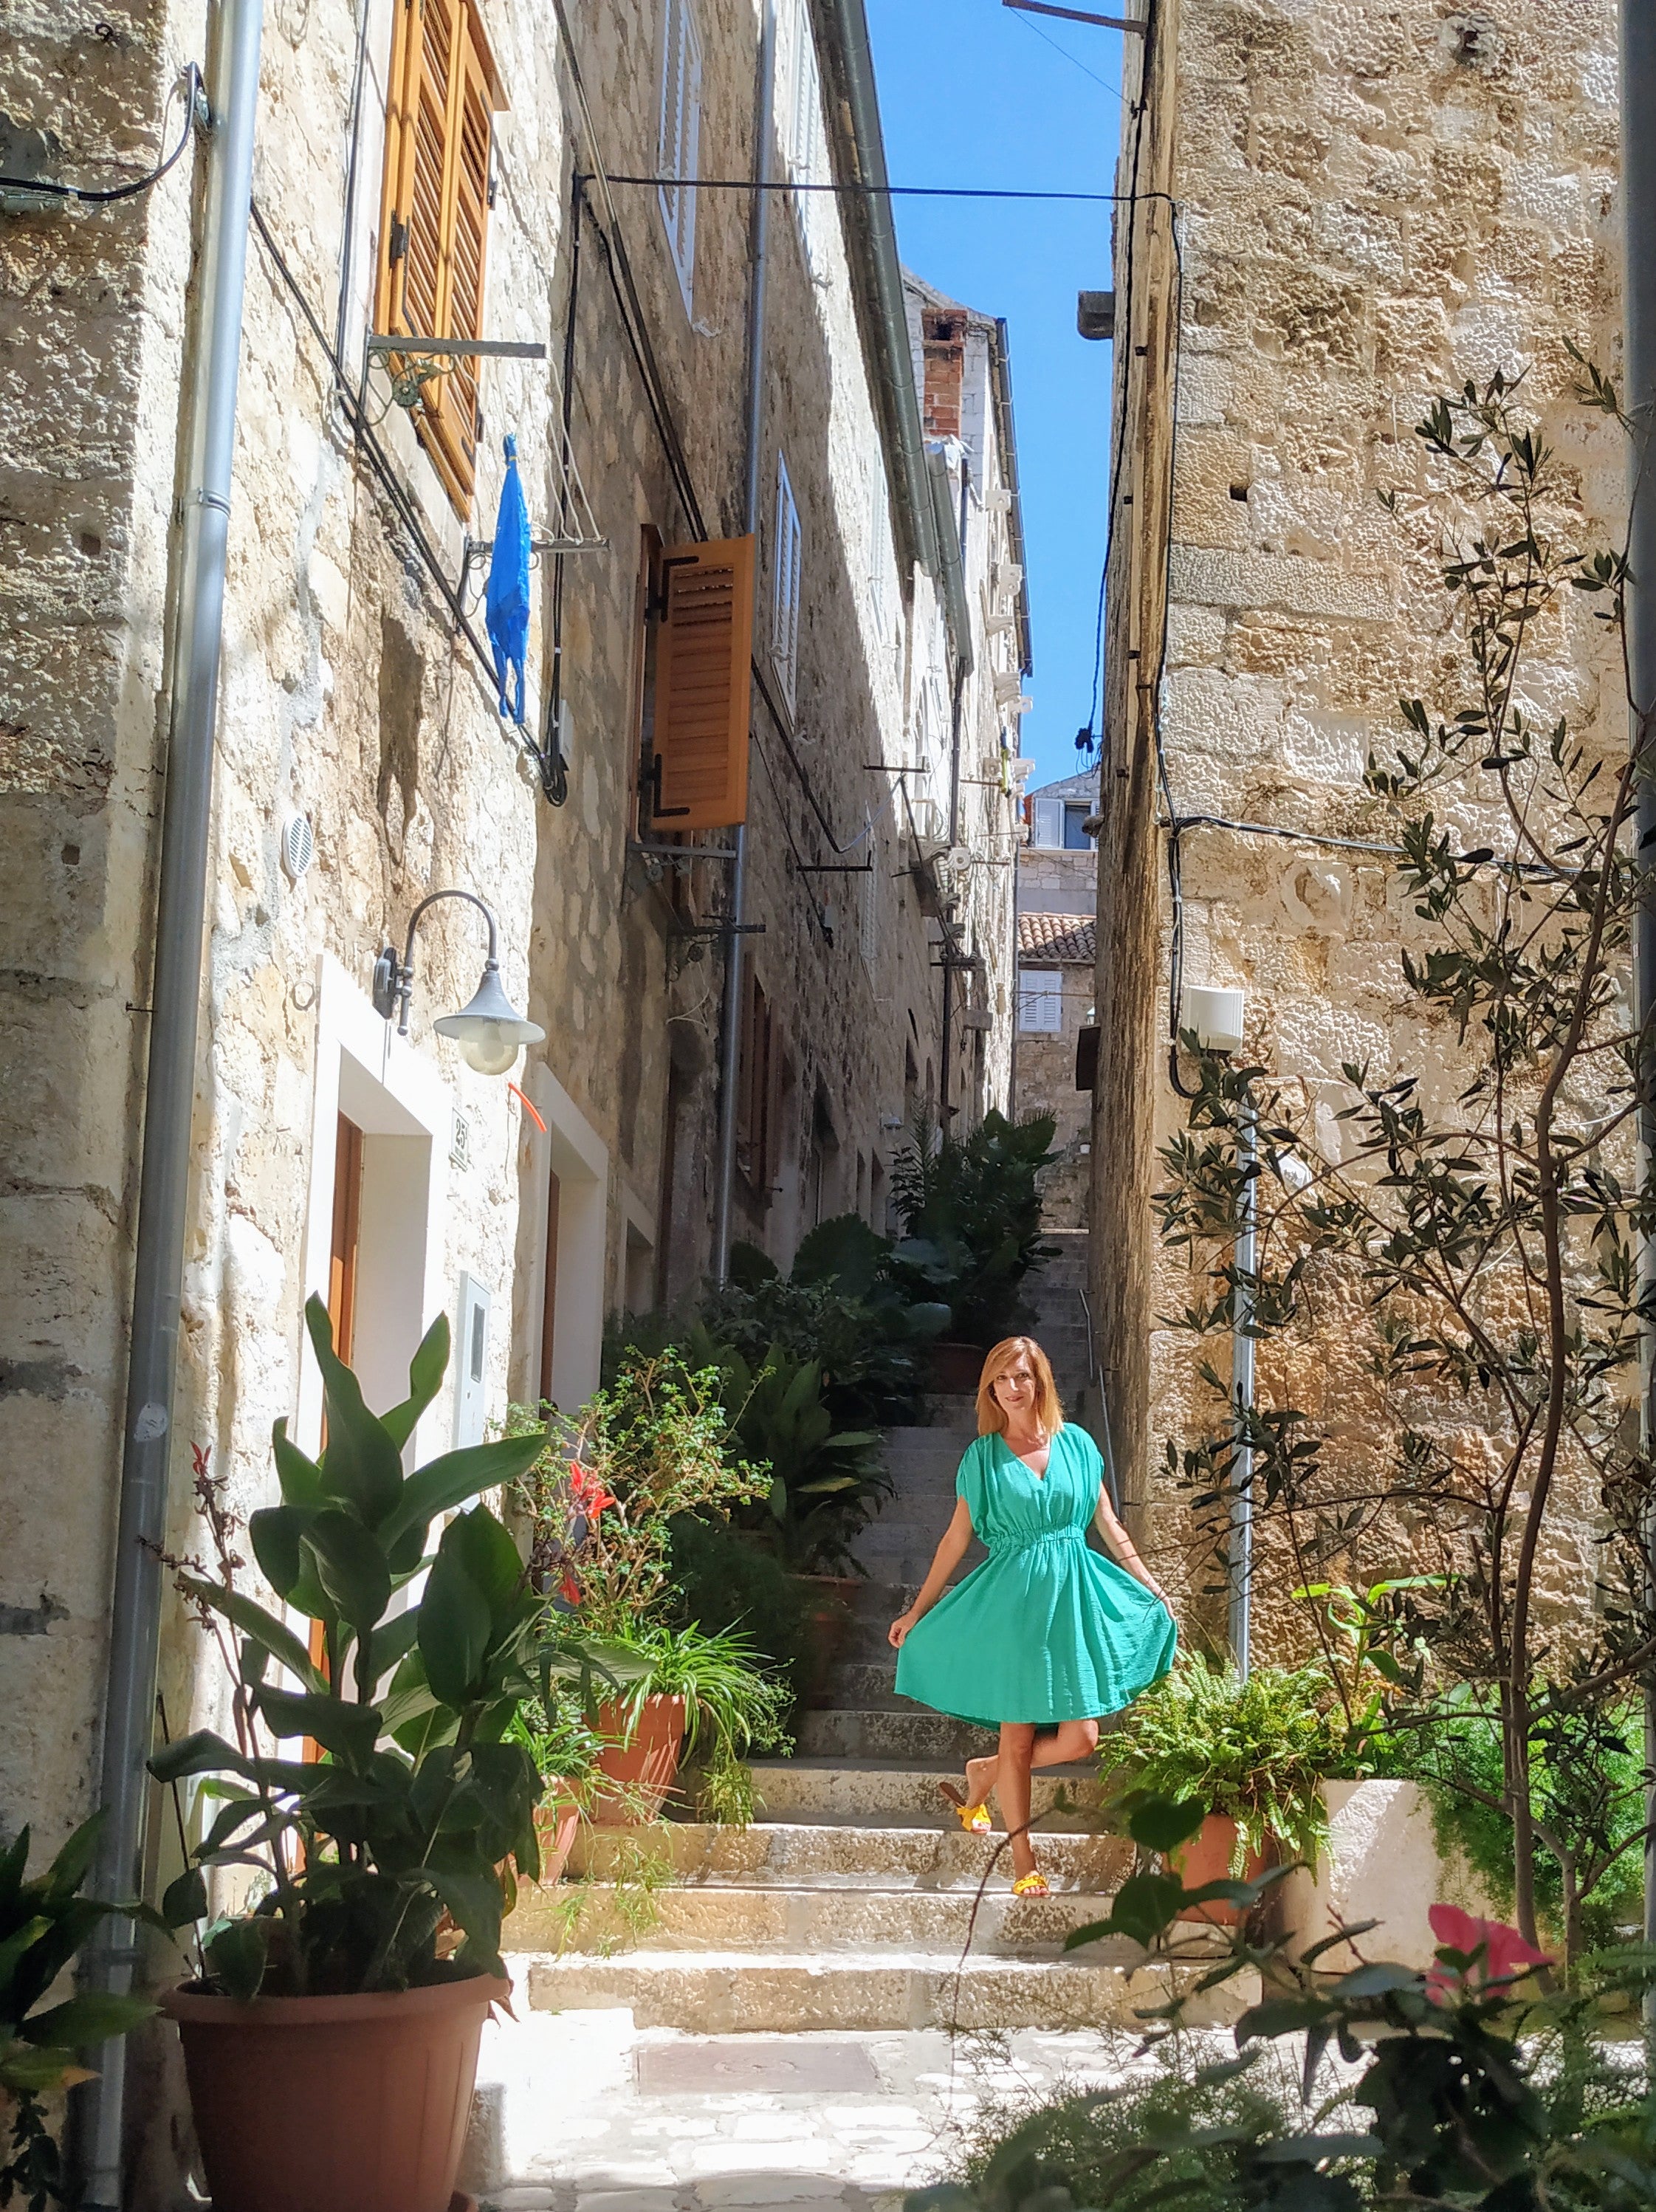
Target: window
1076 820
807 148
1048 814
444 92
1040 999
784 585
678 139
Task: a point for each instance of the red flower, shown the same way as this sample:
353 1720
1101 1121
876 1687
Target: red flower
589 1493
1505 1956
569 1588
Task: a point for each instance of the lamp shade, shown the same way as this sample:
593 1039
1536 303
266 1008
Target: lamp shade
489 1031
1215 1015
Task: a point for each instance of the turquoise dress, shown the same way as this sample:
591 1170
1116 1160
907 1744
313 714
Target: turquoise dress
1044 1629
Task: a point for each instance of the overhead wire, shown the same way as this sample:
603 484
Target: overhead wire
194 91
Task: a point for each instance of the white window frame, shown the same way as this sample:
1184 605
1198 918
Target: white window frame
1040 1001
678 137
807 142
784 585
1048 822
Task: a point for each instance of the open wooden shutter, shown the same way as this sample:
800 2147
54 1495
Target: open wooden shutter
704 655
444 90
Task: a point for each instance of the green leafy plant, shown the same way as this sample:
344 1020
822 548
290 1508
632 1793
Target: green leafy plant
44 1923
970 1208
734 1704
1478 1233
825 1481
600 1495
726 1579
1460 2093
419 1795
1256 1752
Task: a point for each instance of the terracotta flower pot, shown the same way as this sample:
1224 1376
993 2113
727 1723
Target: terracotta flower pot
639 1766
952 1369
555 1823
344 2104
1207 1858
828 1600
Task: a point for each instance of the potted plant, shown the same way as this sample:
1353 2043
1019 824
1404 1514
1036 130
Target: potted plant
44 1923
709 1698
351 1995
1254 1755
600 1498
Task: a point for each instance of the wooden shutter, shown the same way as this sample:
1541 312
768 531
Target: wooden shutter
440 119
759 1093
704 654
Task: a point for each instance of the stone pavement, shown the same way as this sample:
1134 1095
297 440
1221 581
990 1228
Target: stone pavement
581 2111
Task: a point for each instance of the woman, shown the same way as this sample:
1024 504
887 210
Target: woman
1045 1637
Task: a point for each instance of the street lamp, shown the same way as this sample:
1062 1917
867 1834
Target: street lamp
489 1029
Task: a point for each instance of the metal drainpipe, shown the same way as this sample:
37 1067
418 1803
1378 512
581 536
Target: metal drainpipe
1240 1549
1639 194
961 666
730 1055
210 369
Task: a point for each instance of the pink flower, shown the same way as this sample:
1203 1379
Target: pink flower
1505 1957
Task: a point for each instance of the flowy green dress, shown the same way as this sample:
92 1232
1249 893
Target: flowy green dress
1044 1629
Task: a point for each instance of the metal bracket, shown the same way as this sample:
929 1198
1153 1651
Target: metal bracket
1078 16
458 348
681 852
710 929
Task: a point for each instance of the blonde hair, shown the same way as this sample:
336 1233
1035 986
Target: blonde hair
992 1417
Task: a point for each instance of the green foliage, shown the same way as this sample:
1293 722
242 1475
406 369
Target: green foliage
825 1479
726 1579
601 1494
421 1794
1255 1752
1458 2095
1478 1231
734 1704
970 1208
44 1923
1587 1787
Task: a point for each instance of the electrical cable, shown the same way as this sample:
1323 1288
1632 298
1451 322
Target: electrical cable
194 92
1113 90
858 190
378 461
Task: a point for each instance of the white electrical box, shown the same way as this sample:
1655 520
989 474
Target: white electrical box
471 1365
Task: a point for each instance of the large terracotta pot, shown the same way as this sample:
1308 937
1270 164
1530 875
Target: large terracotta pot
828 1600
641 1763
555 1823
953 1370
1206 1858
347 2104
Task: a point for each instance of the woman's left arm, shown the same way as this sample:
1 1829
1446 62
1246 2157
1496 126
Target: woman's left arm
1121 1545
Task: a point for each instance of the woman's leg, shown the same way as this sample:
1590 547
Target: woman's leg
1070 1741
1017 1739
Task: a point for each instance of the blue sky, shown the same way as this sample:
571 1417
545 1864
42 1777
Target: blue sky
972 93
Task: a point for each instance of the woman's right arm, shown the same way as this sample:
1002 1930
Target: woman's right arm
948 1556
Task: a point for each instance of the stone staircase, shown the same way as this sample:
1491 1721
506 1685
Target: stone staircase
853 1902
1057 1291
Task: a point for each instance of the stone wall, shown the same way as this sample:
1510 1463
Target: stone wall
350 697
1375 206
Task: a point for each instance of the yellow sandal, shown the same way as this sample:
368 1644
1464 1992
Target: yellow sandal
1031 1885
974 1819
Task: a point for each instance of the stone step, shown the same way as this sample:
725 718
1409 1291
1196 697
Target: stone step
583 1916
904 1732
868 1686
799 1856
736 1993
823 1791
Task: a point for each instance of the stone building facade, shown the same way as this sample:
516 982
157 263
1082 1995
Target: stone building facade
1373 206
363 762
1057 899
